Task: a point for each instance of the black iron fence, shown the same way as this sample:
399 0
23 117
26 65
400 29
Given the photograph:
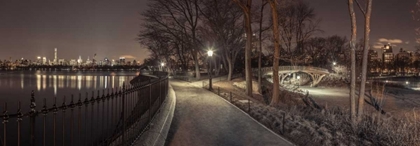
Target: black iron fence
109 117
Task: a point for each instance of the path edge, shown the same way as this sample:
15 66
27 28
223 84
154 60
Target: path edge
160 124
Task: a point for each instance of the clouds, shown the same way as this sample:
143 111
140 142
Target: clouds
394 42
378 45
391 41
128 56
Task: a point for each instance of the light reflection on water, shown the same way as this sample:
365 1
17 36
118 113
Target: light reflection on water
408 82
17 86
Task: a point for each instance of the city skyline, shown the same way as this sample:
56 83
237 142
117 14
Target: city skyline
56 57
107 28
391 22
110 28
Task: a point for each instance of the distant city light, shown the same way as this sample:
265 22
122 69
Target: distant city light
334 63
386 81
162 64
298 77
407 82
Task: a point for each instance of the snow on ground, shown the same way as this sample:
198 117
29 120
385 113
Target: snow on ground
397 101
332 126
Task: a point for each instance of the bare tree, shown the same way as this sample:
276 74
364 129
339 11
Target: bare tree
260 39
223 24
367 13
353 61
275 97
179 18
297 24
158 44
246 8
316 49
416 17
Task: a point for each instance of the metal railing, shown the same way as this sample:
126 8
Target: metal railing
111 117
290 68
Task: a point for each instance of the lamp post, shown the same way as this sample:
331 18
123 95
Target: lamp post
162 65
298 77
210 54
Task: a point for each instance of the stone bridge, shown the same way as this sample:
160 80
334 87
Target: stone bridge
315 73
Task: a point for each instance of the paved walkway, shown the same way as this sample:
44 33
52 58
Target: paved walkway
202 118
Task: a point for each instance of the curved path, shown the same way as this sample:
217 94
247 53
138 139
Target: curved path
202 118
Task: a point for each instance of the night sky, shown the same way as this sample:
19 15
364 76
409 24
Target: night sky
109 28
391 21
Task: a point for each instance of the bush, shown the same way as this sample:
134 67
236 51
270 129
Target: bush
305 126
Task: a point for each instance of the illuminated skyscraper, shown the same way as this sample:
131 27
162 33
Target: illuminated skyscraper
80 61
55 56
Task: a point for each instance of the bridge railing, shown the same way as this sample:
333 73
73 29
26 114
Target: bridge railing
285 68
111 116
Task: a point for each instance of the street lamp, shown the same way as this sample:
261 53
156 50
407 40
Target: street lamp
210 54
162 65
298 77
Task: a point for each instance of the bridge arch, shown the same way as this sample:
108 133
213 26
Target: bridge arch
316 73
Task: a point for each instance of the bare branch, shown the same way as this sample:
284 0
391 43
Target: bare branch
360 7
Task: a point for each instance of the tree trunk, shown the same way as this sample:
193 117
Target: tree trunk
246 8
275 96
365 60
248 69
353 62
216 66
224 62
230 67
260 47
197 68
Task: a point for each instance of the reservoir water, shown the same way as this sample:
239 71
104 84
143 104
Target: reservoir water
408 82
17 86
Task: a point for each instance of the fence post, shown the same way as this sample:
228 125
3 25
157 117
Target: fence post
54 120
44 113
92 100
150 99
71 120
63 109
32 119
249 105
284 121
123 118
86 103
160 90
19 118
5 120
79 104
